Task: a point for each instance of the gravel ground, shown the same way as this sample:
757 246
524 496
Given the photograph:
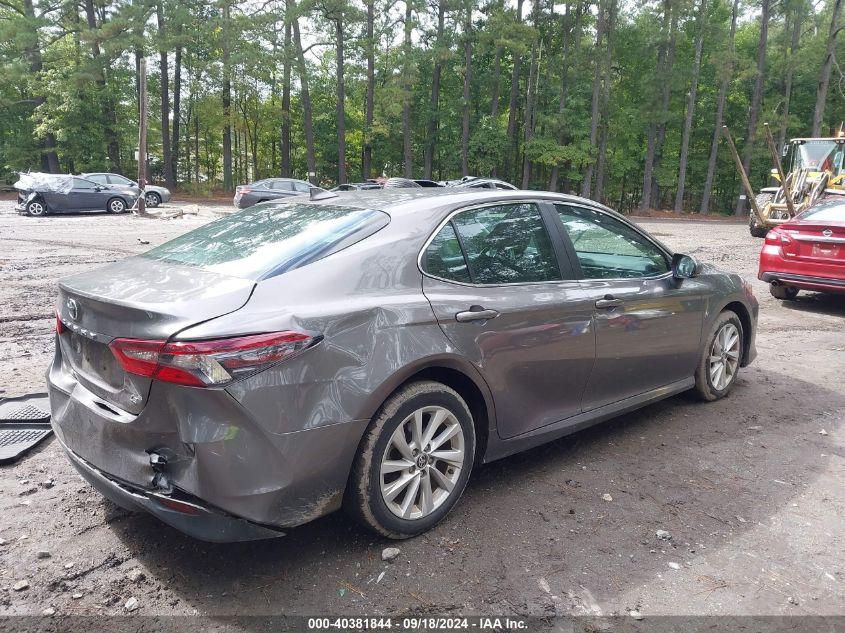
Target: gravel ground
750 488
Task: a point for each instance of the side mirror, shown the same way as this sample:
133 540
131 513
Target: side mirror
99 188
684 266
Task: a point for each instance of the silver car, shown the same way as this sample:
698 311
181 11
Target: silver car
153 194
365 350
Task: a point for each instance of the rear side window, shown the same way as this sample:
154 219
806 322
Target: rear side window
270 239
301 187
444 257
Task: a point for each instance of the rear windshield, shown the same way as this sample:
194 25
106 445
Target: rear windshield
269 239
833 211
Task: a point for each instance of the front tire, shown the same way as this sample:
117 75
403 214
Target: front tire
784 293
763 200
36 208
413 462
721 357
116 205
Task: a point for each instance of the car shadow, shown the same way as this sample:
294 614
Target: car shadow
818 303
706 472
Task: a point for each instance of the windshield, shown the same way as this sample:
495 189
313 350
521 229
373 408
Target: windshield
269 239
820 155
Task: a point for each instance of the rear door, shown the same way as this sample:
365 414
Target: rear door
503 293
647 323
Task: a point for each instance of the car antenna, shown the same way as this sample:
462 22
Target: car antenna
318 193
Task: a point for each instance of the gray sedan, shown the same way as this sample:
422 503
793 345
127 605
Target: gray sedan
366 350
270 189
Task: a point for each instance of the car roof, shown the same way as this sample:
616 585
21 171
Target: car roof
401 201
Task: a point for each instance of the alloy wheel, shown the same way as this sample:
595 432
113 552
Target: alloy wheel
422 462
724 356
151 200
116 206
36 208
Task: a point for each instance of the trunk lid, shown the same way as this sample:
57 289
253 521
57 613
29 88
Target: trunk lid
818 242
138 298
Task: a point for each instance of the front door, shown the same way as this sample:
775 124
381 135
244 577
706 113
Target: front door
84 196
499 293
647 323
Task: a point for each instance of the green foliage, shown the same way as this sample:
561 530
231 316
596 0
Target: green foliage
53 85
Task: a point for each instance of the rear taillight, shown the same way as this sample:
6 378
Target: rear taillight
208 363
241 189
60 327
778 237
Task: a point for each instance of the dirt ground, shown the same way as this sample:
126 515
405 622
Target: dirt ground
750 488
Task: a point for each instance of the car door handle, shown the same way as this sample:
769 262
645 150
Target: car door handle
476 313
609 302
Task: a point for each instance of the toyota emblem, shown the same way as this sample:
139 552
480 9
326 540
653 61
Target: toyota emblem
827 232
72 309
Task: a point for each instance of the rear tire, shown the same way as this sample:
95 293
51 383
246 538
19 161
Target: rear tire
36 208
763 200
784 293
723 348
393 489
116 205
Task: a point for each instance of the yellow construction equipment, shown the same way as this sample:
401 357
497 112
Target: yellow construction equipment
815 170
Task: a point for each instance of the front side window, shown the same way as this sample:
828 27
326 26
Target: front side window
609 249
266 240
301 187
444 257
507 243
99 178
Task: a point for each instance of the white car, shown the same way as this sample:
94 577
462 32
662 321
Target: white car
154 195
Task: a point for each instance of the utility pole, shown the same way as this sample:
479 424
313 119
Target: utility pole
142 137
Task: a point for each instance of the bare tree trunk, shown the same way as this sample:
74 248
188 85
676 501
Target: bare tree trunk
652 140
466 95
341 102
575 39
227 103
693 93
434 115
305 96
367 154
177 104
531 94
406 96
720 110
197 149
587 182
110 118
285 140
824 76
166 148
49 158
756 98
604 130
510 155
797 20
660 142
497 75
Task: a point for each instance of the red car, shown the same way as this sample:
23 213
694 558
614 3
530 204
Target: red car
806 253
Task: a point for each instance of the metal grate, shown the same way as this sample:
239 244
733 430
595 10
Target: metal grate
26 412
9 437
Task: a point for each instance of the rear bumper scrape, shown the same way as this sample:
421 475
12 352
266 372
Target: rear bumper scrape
191 517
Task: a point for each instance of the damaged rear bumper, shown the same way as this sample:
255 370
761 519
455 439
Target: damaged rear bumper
188 516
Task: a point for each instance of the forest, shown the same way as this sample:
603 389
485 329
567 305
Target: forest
617 100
